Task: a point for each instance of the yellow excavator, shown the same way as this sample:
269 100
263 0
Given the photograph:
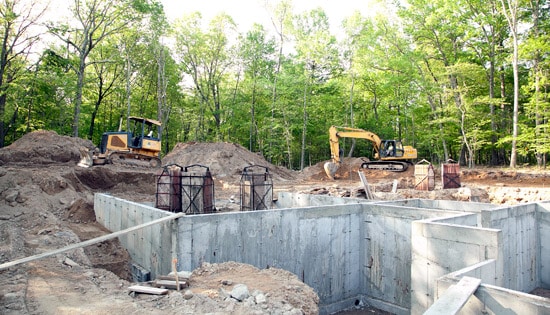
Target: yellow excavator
389 155
139 146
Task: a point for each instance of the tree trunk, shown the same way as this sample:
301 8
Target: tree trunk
304 127
78 98
351 116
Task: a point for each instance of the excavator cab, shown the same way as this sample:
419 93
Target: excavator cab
391 149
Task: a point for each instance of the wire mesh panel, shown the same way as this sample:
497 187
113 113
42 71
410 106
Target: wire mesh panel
256 188
450 174
168 195
197 190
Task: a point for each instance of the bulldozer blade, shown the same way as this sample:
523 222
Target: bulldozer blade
86 157
330 169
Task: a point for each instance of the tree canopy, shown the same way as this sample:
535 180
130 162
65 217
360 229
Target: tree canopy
465 79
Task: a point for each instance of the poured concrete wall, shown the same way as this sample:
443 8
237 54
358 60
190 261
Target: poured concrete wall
320 245
439 248
387 253
289 200
543 222
510 237
150 247
497 300
520 245
491 299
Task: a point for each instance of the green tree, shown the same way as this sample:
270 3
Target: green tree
439 33
205 58
510 9
316 50
534 51
485 42
281 18
17 18
97 20
256 51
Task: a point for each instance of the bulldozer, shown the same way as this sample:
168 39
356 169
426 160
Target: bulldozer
139 146
389 155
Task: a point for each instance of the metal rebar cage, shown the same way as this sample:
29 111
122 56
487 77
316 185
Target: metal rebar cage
256 188
197 190
168 194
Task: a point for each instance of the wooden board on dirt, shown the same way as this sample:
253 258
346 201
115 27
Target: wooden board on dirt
169 284
147 290
172 278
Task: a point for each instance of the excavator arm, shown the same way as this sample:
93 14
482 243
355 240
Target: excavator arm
335 133
391 160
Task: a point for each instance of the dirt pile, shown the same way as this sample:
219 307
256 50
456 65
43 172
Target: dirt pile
266 291
226 161
46 203
43 148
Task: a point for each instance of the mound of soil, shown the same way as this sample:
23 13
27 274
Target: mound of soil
43 147
226 161
348 171
46 203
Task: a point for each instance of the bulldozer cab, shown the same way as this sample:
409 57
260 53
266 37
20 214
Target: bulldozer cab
140 129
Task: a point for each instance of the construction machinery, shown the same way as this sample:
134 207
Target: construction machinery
139 146
389 155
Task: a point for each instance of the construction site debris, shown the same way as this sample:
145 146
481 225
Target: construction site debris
46 203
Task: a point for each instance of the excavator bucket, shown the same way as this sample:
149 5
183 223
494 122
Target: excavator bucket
86 157
330 169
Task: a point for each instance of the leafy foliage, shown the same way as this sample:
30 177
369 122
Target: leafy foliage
436 75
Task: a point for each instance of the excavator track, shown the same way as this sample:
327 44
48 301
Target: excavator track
393 166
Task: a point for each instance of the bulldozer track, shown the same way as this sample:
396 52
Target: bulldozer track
133 160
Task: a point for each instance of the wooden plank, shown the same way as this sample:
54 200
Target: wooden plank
368 193
172 278
169 284
394 187
148 290
89 242
455 297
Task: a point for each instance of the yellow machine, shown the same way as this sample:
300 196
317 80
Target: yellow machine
139 146
390 155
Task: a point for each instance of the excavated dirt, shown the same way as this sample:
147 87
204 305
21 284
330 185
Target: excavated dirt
46 203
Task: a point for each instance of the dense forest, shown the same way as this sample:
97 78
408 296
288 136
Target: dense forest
465 80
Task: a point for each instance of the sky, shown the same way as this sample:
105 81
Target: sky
247 12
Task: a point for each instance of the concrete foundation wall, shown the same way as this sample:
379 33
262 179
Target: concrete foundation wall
150 247
445 205
486 271
441 248
351 250
489 299
320 245
287 200
543 222
520 245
